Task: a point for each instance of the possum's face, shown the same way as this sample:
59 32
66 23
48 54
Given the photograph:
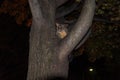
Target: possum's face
61 30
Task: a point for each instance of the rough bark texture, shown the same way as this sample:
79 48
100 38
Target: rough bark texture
47 58
43 58
60 2
79 30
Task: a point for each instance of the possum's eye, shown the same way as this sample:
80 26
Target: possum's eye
61 26
58 26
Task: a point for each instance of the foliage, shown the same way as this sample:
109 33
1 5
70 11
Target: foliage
105 36
104 40
109 9
17 8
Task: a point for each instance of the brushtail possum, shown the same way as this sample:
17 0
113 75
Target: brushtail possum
61 30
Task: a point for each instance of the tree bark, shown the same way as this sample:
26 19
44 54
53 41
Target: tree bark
47 58
60 2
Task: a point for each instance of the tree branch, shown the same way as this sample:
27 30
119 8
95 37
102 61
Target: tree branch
62 11
79 30
82 41
60 2
38 12
35 9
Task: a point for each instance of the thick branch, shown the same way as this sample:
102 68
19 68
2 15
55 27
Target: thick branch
79 30
62 11
60 2
35 9
38 13
82 41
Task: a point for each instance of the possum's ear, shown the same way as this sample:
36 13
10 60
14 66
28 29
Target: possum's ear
57 24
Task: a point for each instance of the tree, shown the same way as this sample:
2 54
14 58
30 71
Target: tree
48 55
104 40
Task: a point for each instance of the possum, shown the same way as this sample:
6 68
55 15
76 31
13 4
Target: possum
61 30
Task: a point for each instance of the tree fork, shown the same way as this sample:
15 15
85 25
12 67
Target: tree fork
48 59
43 58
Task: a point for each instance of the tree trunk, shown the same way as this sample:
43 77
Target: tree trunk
47 58
43 58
